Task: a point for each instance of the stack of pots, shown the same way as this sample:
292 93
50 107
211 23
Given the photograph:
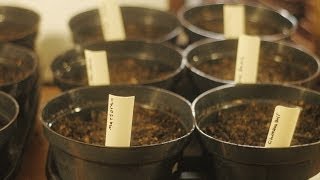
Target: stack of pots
193 73
19 78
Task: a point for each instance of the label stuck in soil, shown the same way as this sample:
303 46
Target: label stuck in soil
233 21
282 127
97 67
119 121
247 59
111 20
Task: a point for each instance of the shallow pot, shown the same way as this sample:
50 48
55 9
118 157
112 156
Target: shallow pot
206 21
69 69
18 26
78 160
139 23
229 160
212 63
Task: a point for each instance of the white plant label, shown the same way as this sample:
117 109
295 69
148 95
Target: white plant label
119 121
282 127
247 59
97 67
233 21
111 20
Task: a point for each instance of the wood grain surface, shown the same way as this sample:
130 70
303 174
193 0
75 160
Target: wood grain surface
34 159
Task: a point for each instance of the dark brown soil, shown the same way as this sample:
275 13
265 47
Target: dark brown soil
122 71
269 70
10 73
248 123
134 31
91 34
252 28
149 126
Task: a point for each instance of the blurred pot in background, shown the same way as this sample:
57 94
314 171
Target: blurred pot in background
19 78
234 120
206 21
18 26
139 23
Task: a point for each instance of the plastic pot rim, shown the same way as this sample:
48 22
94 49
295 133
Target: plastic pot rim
219 36
206 41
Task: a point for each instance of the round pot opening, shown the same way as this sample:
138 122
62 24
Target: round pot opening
234 121
18 25
165 128
206 21
212 63
139 24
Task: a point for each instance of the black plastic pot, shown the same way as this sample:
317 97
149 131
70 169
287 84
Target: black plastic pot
206 21
236 161
69 69
8 120
25 89
8 114
77 160
292 57
18 26
139 23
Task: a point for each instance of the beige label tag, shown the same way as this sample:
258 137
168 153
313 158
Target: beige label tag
247 59
119 121
233 21
111 20
282 127
97 67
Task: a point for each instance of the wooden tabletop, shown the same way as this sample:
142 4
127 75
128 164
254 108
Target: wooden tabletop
34 159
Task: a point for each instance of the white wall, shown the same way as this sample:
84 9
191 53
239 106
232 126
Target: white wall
54 35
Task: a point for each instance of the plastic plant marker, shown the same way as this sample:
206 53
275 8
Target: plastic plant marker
97 67
282 127
119 121
111 20
233 21
247 59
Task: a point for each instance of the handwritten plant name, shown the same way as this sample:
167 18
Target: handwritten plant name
111 114
274 128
